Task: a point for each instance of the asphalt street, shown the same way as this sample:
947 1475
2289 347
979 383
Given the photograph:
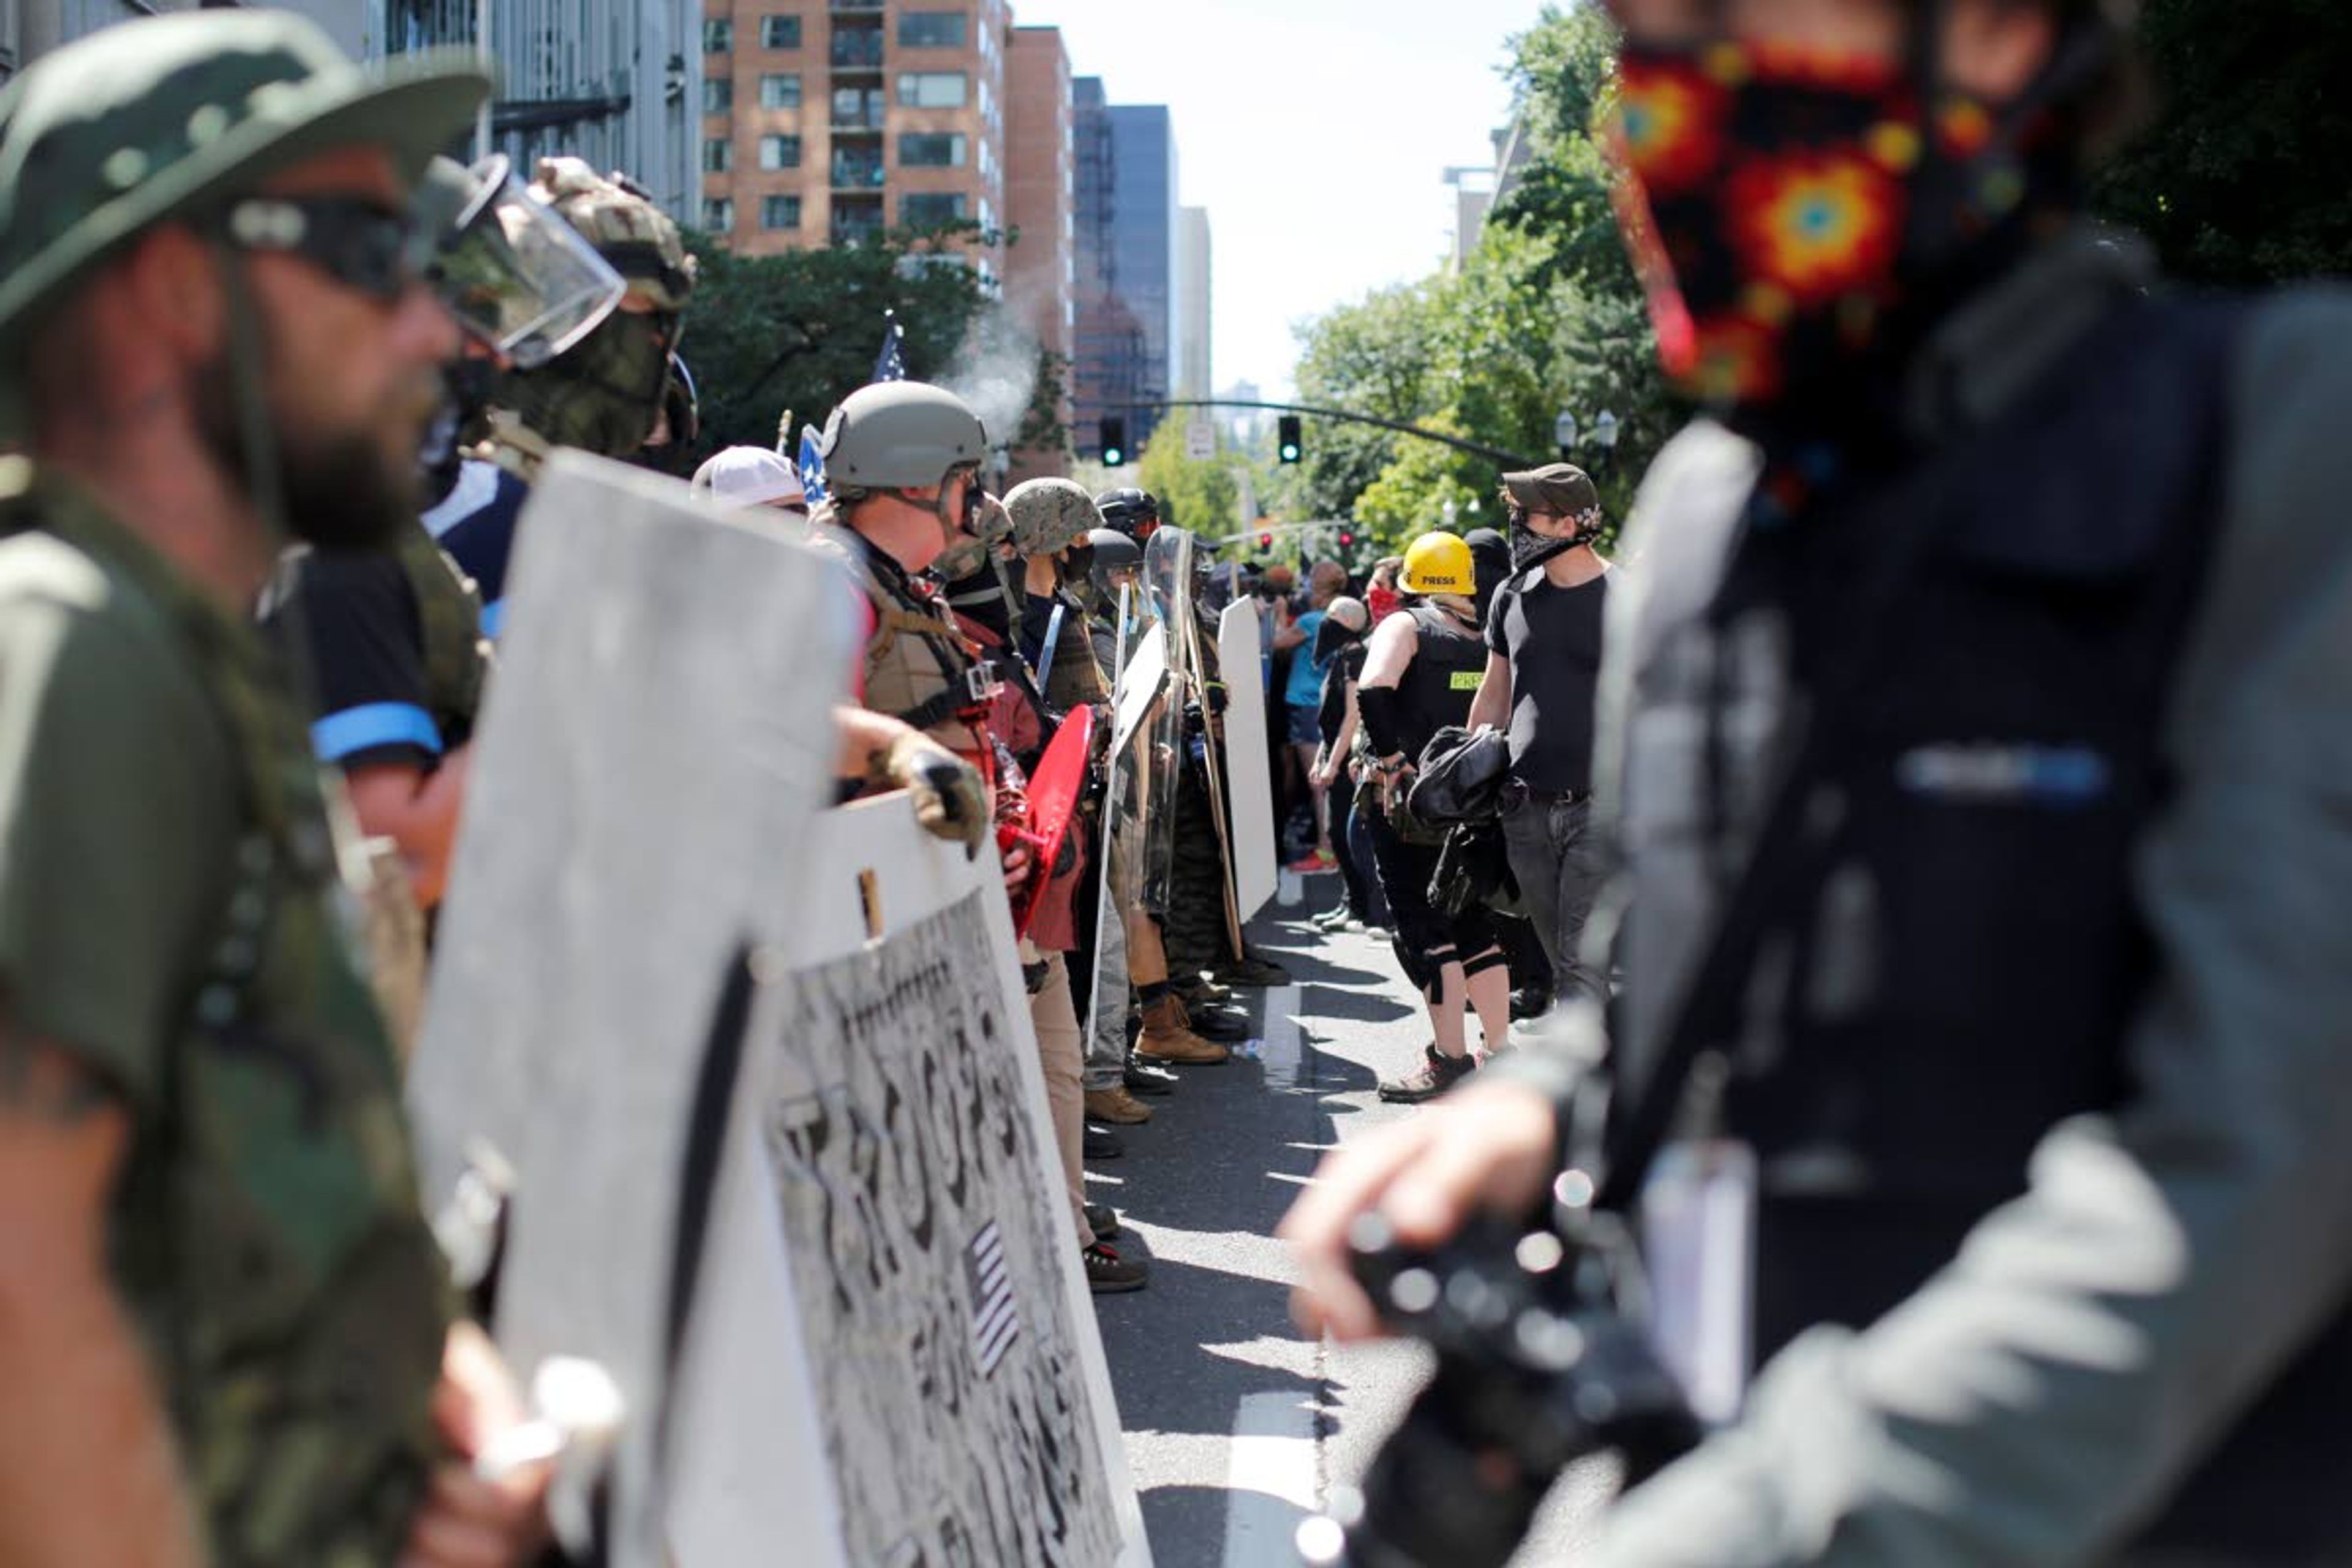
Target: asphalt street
1236 1425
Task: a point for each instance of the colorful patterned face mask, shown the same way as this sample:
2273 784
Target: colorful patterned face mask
1792 214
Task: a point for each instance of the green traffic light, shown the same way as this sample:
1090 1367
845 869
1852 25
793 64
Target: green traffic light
1113 458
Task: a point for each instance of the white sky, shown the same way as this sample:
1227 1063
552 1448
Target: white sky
1367 101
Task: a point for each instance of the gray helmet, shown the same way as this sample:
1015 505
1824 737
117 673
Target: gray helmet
1113 551
1049 516
899 436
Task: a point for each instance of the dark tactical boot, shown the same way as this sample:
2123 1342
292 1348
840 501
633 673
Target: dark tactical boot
1109 1274
1142 1078
1251 970
1433 1077
1102 1143
1103 1220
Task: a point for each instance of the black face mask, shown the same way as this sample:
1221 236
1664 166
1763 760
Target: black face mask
1331 638
1529 548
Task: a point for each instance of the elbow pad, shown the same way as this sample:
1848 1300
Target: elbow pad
1377 707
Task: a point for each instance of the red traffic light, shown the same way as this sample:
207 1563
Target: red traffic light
1346 540
1266 541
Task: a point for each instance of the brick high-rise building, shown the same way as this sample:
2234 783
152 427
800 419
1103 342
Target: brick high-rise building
1041 159
825 122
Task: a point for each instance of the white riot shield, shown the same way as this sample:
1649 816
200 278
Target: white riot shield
1249 776
655 746
897 1360
1168 594
1138 683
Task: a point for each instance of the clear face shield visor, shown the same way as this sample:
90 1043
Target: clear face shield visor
514 273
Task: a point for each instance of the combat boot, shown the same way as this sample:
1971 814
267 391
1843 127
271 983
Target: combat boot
1165 1038
1116 1106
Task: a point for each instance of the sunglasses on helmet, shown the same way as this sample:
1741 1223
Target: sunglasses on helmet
363 246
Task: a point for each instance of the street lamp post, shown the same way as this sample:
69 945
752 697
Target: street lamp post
1563 431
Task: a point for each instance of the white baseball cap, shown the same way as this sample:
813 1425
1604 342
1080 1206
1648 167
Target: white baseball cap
750 476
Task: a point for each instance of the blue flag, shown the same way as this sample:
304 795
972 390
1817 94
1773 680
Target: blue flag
812 464
890 364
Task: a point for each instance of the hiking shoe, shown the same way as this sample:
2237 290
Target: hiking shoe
1433 1077
1252 971
1102 1143
1116 1106
1142 1078
1167 1037
1103 1220
1109 1274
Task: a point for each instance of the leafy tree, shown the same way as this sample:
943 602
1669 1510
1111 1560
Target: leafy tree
801 330
2240 179
1428 486
1203 495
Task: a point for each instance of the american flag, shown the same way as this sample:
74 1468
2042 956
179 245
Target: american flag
890 364
995 1315
812 464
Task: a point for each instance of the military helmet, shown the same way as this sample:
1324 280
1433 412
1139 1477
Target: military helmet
1439 563
618 216
1132 511
901 436
1049 516
1112 551
167 116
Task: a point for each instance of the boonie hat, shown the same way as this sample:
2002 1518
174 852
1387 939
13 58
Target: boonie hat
151 119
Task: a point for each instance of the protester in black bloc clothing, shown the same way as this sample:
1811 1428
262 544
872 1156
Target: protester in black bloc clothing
394 636
1543 640
1421 673
1978 755
1340 646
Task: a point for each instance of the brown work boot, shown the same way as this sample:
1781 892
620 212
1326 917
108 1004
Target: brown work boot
1165 1038
1116 1105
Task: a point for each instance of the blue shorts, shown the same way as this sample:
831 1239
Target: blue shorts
1306 728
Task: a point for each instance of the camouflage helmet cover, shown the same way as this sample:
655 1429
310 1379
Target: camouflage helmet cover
1050 515
621 222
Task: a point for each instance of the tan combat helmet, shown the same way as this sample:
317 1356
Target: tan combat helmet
1049 516
618 216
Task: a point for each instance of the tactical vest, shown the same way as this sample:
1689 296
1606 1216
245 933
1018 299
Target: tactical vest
267 1228
918 669
1966 974
449 615
1442 682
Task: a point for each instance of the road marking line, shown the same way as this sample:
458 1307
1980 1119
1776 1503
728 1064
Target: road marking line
1283 1051
1269 1479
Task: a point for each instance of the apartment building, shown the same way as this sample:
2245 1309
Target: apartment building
826 121
1040 191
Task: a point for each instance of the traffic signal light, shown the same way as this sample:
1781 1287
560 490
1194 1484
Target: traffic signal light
1286 437
1346 538
1114 443
1266 541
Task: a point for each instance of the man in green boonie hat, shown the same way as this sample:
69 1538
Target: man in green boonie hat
225 1328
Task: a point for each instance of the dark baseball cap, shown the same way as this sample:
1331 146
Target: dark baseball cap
1562 489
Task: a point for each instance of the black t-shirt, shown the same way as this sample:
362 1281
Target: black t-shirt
1552 636
476 524
364 642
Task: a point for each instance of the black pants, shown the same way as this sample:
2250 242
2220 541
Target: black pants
1427 941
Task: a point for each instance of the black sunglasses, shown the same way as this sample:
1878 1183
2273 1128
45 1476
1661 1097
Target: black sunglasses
362 245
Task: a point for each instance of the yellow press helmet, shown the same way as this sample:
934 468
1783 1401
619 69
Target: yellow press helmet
1439 563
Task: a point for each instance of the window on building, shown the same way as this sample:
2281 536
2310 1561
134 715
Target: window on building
780 212
718 94
929 150
717 156
779 152
934 90
717 35
780 89
719 214
780 32
931 30
929 209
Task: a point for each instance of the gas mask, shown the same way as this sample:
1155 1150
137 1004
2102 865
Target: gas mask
604 394
1795 217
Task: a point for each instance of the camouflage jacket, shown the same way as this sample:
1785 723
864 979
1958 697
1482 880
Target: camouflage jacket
170 910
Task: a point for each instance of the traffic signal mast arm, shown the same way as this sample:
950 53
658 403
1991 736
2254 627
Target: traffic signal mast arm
1509 461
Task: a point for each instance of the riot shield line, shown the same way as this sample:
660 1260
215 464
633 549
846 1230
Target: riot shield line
1168 590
